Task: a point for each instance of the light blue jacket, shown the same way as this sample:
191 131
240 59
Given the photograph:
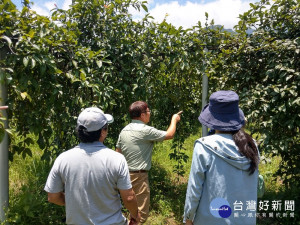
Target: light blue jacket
219 176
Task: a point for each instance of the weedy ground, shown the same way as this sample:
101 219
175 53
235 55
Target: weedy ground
28 201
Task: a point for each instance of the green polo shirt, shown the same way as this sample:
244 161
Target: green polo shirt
136 141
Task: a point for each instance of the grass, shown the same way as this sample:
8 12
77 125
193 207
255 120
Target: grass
27 199
28 203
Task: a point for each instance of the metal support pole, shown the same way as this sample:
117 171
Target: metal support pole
204 100
3 146
204 92
3 158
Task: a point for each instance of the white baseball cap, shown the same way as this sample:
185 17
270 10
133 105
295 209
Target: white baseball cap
93 119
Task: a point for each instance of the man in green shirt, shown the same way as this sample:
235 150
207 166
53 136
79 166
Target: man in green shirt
136 142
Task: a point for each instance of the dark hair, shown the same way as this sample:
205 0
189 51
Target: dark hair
137 108
247 148
86 137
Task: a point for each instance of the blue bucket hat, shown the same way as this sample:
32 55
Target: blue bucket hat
223 112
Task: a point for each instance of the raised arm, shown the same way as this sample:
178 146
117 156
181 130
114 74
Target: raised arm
3 107
172 128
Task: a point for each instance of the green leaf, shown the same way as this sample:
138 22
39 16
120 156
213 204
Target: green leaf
2 133
33 63
75 64
25 61
99 63
31 33
28 141
25 95
145 7
10 132
7 39
82 75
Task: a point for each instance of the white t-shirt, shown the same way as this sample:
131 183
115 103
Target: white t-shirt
90 175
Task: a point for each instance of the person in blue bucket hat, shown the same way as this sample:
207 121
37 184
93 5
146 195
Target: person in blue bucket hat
222 186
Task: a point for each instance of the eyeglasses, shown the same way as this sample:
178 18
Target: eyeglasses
149 111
